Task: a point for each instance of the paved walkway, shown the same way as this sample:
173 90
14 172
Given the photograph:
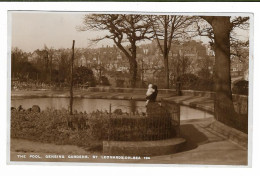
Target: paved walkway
205 146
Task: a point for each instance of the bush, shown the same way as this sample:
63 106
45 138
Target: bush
241 87
191 81
59 127
188 81
120 83
104 81
204 85
83 75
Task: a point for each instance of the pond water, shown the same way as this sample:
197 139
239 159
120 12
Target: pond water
89 105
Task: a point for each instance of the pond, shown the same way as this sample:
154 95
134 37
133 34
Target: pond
89 105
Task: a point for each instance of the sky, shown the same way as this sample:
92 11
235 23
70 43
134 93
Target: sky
33 30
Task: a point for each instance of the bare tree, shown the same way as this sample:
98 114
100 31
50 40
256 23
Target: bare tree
124 30
168 28
49 58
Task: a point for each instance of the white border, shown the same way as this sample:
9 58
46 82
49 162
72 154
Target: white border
152 7
9 44
117 12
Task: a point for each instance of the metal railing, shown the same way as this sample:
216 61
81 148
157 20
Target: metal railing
161 121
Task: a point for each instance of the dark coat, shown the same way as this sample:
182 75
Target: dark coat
152 97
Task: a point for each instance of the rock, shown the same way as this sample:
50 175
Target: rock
36 108
13 109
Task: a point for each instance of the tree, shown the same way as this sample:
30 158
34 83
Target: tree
122 28
17 56
64 63
25 70
205 67
168 28
49 58
20 67
42 63
240 50
205 29
221 30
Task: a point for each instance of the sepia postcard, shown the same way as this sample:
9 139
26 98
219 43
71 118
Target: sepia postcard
130 87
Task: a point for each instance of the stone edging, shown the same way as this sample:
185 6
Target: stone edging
208 109
127 90
143 148
230 133
209 94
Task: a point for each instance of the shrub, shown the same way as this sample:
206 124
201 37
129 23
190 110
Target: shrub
104 81
240 87
188 80
83 75
54 126
120 83
204 85
191 81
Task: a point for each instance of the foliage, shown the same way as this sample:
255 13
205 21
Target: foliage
25 70
120 83
240 87
104 81
191 81
83 75
187 80
20 67
57 126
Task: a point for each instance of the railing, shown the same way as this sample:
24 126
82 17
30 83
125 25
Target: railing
237 119
161 122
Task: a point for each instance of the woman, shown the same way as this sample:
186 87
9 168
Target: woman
153 96
152 107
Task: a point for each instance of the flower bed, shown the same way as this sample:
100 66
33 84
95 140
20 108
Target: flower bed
57 126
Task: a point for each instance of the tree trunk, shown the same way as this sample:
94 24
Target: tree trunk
166 66
133 72
51 68
133 65
165 52
224 109
177 75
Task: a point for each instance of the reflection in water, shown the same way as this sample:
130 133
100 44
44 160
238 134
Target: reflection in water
89 105
133 107
81 104
190 113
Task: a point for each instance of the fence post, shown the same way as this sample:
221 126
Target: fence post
110 109
71 81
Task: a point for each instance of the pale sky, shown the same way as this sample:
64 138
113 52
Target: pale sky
33 30
30 31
